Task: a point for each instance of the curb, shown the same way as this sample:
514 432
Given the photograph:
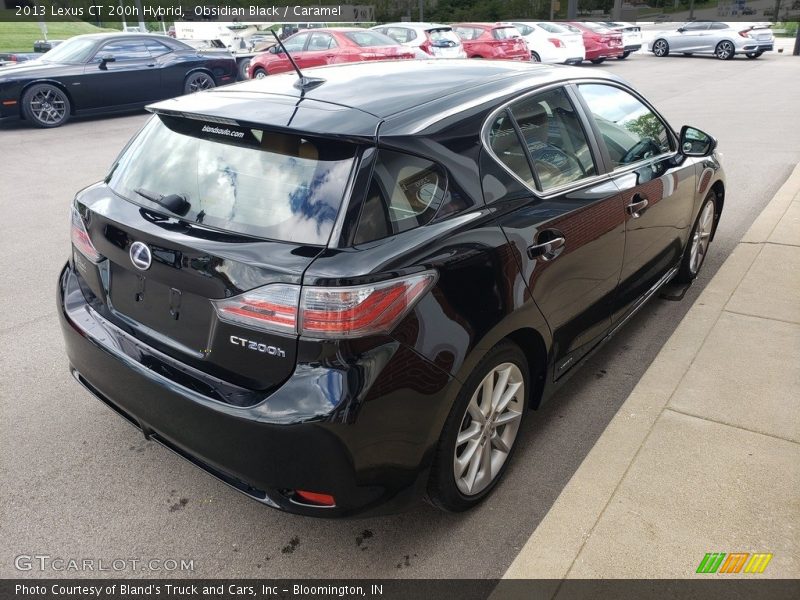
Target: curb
556 543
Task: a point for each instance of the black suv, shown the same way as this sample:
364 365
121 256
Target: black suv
341 293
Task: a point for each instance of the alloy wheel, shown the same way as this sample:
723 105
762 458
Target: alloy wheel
660 48
199 82
701 238
725 50
488 429
48 106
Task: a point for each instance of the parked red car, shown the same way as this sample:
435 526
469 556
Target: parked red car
600 41
492 40
318 47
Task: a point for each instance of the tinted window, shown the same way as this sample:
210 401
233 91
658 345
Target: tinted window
321 41
695 26
554 138
404 193
400 34
124 50
296 43
271 185
631 131
719 26
76 50
156 48
468 33
506 145
523 29
367 38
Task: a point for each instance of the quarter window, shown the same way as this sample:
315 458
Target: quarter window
405 192
630 130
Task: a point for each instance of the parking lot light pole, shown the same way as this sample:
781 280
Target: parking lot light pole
797 43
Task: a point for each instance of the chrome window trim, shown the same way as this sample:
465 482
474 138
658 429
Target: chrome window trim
580 183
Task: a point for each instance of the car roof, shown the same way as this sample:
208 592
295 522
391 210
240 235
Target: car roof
375 91
415 25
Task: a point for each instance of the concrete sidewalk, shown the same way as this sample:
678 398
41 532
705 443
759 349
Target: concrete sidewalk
704 455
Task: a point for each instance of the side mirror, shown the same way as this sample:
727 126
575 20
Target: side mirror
105 59
275 49
694 142
681 29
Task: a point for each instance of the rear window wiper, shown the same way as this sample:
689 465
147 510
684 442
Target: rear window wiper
175 203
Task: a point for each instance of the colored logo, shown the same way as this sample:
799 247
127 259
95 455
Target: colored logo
735 562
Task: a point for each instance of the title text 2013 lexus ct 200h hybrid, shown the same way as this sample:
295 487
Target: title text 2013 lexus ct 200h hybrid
343 292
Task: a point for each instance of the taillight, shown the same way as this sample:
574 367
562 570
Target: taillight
327 312
556 42
272 308
426 46
316 498
81 239
744 33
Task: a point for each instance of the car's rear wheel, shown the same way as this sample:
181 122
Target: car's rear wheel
535 57
478 437
45 105
259 73
661 48
725 50
597 61
695 254
625 55
244 67
197 82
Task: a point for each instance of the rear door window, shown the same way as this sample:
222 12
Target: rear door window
367 39
321 41
252 181
123 50
505 33
405 192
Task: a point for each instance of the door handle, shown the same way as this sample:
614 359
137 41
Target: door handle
548 250
637 205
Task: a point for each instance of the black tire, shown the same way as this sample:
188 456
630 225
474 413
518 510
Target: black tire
197 82
688 270
244 66
46 106
725 50
597 61
535 57
443 490
625 55
660 47
259 73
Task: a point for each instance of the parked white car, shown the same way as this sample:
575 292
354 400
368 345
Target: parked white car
552 43
631 36
430 39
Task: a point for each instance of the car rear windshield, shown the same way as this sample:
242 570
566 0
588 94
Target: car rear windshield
239 179
505 33
366 39
443 34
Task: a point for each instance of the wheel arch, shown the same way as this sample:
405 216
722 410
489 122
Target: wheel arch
52 82
533 346
199 69
718 187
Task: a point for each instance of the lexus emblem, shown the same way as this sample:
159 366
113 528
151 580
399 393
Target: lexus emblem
141 257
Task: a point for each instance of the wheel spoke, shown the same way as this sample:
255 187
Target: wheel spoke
475 412
507 417
488 392
507 397
474 467
463 461
498 443
500 386
472 432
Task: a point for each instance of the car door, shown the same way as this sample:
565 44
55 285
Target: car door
567 225
657 186
131 78
321 50
171 72
296 46
693 38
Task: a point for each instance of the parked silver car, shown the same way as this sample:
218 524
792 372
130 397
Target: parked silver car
707 37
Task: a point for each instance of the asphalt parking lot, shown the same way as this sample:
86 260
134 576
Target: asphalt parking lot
80 483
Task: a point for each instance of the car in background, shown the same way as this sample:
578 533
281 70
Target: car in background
500 41
327 46
8 59
340 296
107 72
434 40
763 36
723 40
552 43
45 45
631 36
600 41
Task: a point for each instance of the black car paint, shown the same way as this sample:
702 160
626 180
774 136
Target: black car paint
360 418
95 88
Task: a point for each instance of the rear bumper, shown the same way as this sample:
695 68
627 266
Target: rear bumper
366 451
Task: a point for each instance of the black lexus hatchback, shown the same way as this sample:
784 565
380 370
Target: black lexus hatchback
342 293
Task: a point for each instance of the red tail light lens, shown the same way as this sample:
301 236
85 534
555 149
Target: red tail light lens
315 498
81 239
556 42
360 310
326 312
426 45
744 33
272 308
